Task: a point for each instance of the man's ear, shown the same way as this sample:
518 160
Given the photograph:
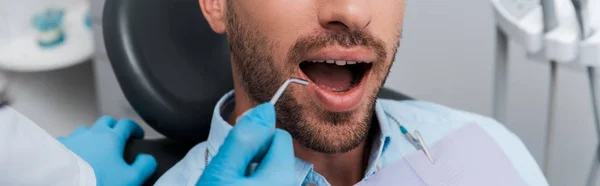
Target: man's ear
214 13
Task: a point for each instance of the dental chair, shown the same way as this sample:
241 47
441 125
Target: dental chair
172 69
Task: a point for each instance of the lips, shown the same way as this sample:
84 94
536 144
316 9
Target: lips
337 77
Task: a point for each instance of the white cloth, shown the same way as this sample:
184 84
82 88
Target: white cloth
31 156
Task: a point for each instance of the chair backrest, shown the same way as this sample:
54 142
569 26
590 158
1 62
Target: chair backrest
171 66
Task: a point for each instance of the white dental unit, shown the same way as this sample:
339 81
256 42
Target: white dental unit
45 47
554 31
589 55
42 35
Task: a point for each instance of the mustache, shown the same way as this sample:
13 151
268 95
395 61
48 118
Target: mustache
313 43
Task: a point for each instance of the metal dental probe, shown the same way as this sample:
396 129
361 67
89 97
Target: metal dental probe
257 159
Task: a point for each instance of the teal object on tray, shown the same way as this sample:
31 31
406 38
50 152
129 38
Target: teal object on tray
88 20
50 27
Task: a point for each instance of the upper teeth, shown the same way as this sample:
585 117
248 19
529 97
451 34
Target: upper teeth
337 62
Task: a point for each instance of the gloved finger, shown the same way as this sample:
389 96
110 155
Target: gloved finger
280 157
250 135
104 122
128 128
144 165
61 139
79 130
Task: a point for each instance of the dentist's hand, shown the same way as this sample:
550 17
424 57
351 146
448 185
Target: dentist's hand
253 133
102 147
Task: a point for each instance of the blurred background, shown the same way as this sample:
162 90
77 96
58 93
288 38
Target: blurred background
446 57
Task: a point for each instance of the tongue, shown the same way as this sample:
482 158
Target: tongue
333 77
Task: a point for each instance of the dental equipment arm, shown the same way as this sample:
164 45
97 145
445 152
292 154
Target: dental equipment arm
548 30
589 55
561 42
522 21
592 75
560 46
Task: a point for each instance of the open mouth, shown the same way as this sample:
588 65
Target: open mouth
338 76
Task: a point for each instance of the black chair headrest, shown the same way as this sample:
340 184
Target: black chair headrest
171 66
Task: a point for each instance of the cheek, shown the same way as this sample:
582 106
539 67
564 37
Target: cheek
285 33
282 22
387 23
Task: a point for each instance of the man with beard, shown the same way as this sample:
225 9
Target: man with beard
345 49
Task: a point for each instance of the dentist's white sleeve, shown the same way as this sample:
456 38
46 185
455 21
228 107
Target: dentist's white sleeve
29 156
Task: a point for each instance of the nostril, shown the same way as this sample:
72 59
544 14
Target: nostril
337 25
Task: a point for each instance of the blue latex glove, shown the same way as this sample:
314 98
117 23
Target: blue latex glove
252 134
102 147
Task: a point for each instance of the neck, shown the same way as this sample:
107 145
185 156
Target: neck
242 103
339 169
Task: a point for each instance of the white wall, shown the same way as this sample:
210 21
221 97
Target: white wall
57 101
446 57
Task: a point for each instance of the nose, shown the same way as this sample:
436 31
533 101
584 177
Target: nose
345 15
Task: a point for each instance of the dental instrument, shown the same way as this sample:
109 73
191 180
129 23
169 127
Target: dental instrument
282 88
548 30
418 142
592 177
256 160
521 21
561 45
423 146
588 56
278 93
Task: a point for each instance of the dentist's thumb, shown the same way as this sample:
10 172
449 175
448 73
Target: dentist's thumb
251 134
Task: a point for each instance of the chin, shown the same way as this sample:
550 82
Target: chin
327 131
